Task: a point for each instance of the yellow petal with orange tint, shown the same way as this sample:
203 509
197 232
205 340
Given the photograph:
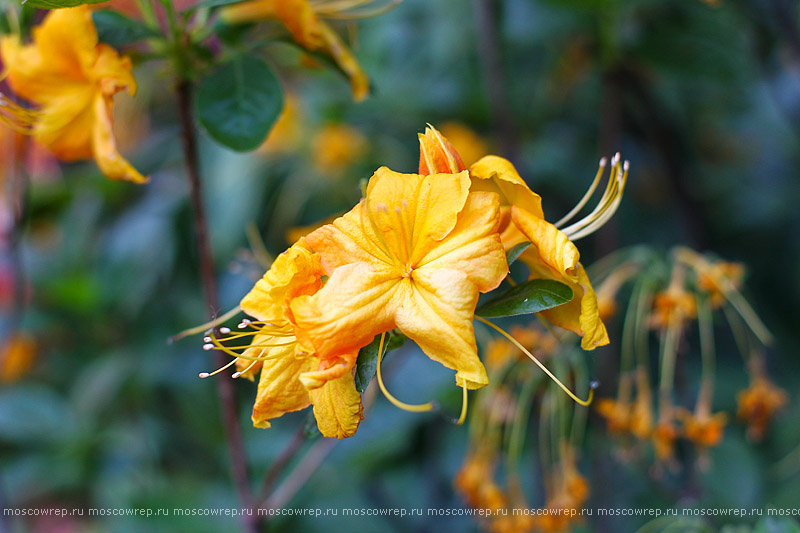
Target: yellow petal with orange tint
437 314
104 147
337 407
496 174
279 388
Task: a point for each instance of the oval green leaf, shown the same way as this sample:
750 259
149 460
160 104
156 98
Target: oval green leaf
529 297
367 362
514 253
238 103
117 30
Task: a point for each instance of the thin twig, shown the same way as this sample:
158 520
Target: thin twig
300 474
225 388
488 43
281 462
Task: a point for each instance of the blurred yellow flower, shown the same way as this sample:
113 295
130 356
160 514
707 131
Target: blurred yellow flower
337 146
664 436
290 377
552 254
304 20
413 255
616 413
715 278
469 145
72 79
17 357
757 405
286 134
703 429
674 305
475 481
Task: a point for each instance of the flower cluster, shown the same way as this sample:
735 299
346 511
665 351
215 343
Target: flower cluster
489 476
413 255
669 297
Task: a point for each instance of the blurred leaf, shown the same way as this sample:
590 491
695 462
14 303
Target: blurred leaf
116 29
514 253
30 413
529 297
777 525
57 4
239 103
367 362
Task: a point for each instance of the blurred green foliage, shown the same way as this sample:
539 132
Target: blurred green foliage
703 100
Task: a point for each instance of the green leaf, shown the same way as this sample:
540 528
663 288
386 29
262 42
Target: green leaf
514 253
239 103
117 30
58 4
367 361
529 297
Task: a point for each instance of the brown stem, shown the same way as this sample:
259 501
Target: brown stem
281 462
225 388
491 63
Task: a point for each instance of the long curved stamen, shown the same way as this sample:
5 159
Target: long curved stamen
544 369
16 117
204 375
208 325
575 210
606 207
237 374
397 403
464 405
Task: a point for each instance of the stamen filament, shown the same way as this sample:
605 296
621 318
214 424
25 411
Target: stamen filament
203 375
464 404
397 403
237 374
575 210
208 325
544 369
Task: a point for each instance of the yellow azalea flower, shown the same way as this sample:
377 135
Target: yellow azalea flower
552 254
286 369
703 429
17 357
304 19
336 147
72 79
413 255
757 405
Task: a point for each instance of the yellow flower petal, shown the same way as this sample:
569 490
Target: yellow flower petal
496 174
437 314
104 147
279 388
355 305
553 256
337 407
295 272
